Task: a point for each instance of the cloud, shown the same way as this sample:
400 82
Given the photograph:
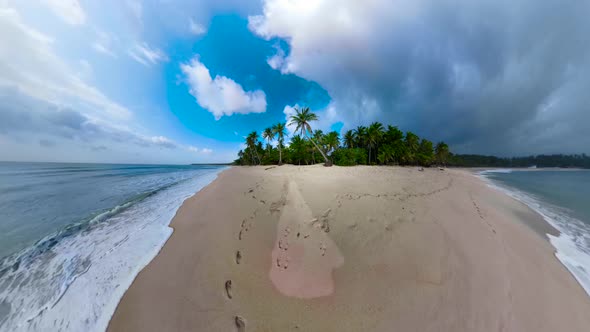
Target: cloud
46 143
221 95
23 119
99 47
278 61
196 28
147 56
163 142
197 150
486 76
31 65
103 44
68 10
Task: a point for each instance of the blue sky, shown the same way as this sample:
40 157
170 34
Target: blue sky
125 53
178 81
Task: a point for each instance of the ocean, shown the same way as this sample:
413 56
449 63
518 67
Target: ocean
562 197
74 236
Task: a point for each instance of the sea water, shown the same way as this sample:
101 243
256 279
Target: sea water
74 236
562 197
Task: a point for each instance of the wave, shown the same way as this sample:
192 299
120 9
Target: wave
572 245
498 170
73 279
43 245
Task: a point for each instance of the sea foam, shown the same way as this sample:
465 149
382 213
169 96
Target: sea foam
573 242
73 280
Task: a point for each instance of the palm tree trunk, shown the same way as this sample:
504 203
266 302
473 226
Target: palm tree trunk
280 154
257 156
252 156
327 161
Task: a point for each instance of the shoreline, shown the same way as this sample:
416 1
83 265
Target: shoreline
241 228
74 278
560 237
540 224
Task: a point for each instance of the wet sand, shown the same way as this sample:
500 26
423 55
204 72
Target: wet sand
354 249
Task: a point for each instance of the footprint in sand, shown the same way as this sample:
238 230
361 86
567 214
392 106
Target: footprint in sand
238 257
299 271
283 245
283 262
240 323
228 291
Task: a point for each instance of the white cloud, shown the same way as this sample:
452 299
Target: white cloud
196 28
162 141
221 95
31 65
68 10
197 150
279 62
99 47
103 44
146 55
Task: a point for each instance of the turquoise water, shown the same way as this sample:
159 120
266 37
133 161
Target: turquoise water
562 197
566 189
73 237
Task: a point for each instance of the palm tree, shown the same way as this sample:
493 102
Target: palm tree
442 153
386 154
279 130
251 140
301 119
412 145
269 135
374 134
298 149
349 139
241 157
318 137
393 134
332 141
359 135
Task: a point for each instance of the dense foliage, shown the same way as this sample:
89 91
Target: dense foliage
372 145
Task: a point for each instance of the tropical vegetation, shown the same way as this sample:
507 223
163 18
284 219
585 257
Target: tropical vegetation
374 144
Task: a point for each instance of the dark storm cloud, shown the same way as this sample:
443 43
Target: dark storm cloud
503 77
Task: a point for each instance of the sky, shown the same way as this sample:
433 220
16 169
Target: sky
179 81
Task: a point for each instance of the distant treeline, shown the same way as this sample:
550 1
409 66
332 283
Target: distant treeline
375 144
554 160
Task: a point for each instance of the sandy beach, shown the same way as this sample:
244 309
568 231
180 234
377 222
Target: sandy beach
354 249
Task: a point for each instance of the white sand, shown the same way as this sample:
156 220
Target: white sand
379 249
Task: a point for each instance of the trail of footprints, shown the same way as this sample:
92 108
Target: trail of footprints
321 223
402 197
245 226
481 216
